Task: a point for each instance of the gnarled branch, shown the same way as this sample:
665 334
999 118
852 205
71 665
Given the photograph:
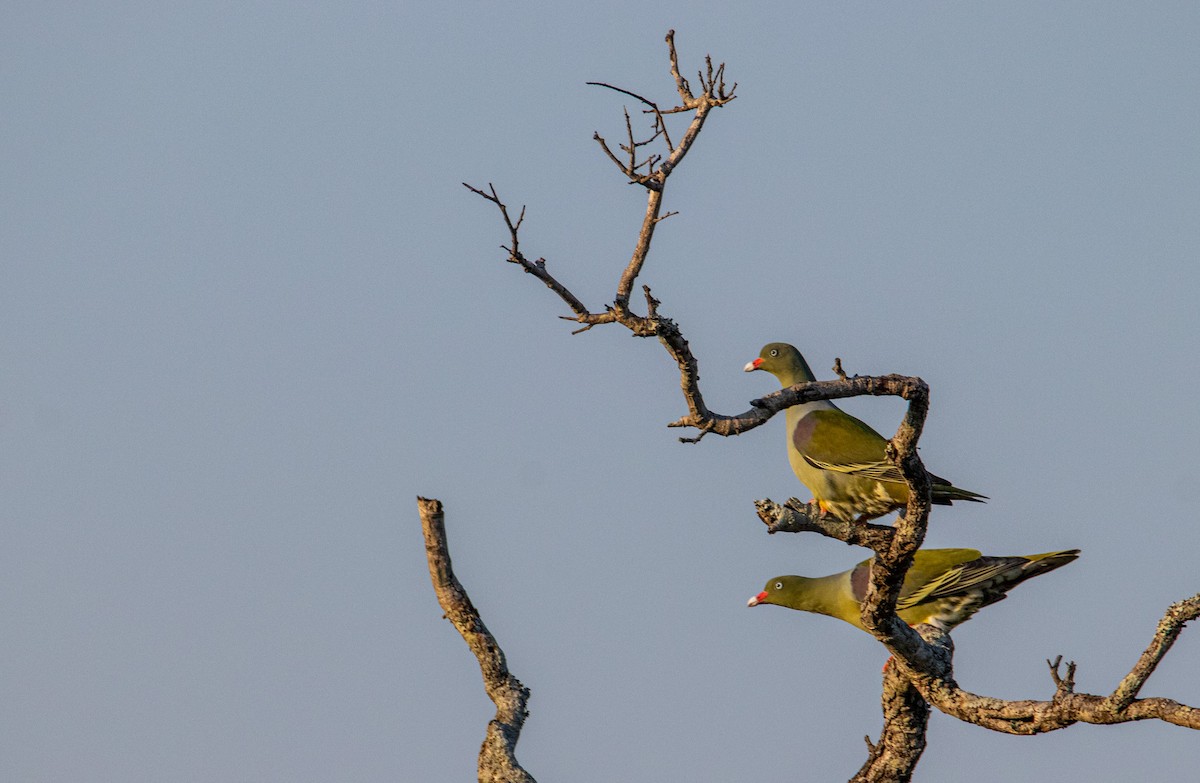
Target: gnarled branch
651 171
902 741
799 517
936 683
921 672
497 756
1169 628
894 547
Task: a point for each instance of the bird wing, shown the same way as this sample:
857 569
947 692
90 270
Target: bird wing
981 573
835 440
832 439
929 565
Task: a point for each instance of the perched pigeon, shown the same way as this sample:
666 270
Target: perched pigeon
944 587
839 458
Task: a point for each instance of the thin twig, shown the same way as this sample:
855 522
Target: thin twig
630 93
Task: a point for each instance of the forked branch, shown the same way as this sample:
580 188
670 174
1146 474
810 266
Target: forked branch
651 171
515 256
922 669
1066 707
894 547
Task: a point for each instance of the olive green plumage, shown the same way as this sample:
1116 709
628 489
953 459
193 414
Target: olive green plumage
944 587
840 459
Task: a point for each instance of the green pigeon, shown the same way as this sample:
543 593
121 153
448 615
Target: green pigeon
944 587
839 458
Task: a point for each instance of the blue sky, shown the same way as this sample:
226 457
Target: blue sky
249 313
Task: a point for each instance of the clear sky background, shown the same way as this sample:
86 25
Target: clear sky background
248 313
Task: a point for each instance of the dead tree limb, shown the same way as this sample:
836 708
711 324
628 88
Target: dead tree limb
894 547
497 756
905 720
1066 707
651 171
922 671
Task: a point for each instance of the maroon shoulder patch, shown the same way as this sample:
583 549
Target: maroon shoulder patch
802 435
859 578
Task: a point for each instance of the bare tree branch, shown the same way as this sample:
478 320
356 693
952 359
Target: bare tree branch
1169 628
535 268
798 517
894 547
905 719
497 756
934 679
921 671
837 368
657 169
891 564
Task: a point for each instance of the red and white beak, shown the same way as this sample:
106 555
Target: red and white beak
758 599
751 367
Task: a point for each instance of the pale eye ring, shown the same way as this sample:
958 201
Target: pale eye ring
779 585
774 351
